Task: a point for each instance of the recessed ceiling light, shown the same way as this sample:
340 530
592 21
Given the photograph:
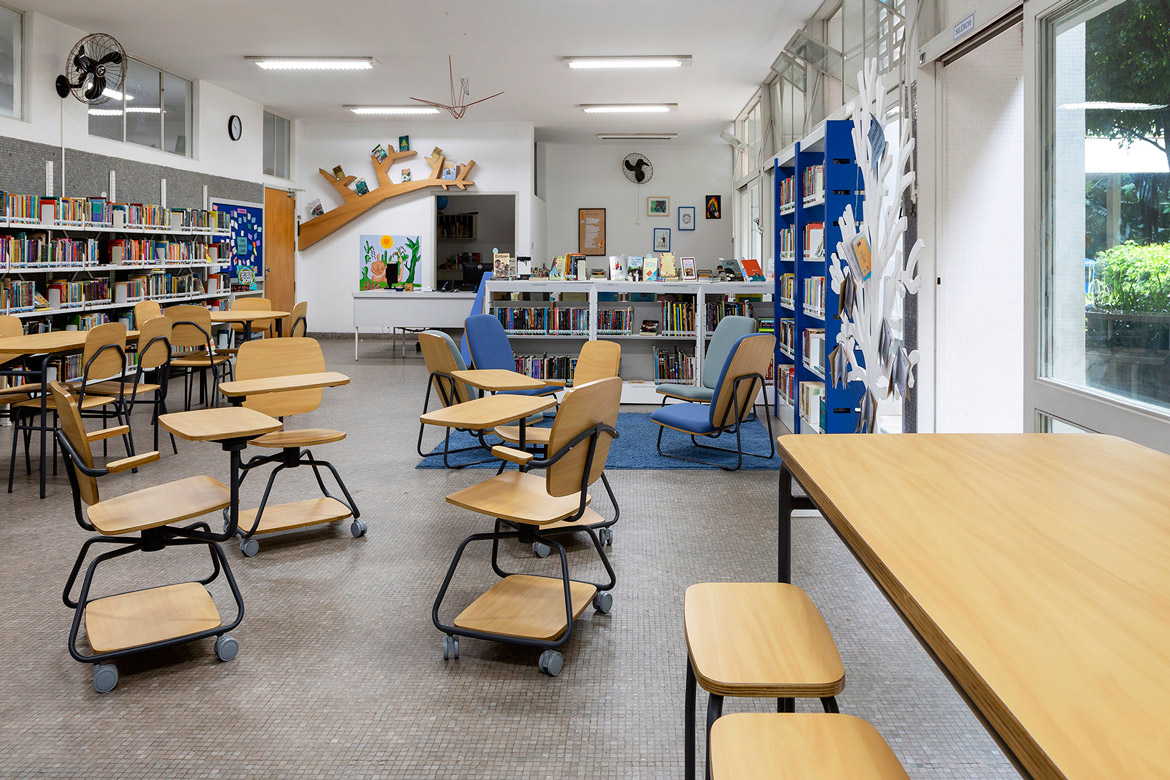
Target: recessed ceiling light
313 63
637 136
392 109
628 108
618 63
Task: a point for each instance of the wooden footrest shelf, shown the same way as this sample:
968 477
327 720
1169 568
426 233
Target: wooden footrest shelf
147 616
589 518
298 514
526 607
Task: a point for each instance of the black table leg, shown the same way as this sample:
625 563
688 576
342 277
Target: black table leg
784 527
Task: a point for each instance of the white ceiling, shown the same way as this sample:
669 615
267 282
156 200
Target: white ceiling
509 45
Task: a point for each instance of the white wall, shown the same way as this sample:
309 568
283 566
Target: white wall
980 256
590 176
48 42
327 272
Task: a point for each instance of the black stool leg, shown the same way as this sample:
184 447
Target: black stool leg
689 728
714 710
786 705
829 703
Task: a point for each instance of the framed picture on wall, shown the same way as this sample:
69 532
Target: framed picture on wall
661 239
686 217
657 206
591 232
714 206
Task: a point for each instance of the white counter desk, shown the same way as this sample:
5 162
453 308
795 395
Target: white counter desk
390 311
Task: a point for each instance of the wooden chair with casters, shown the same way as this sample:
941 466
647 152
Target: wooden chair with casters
755 639
762 746
191 331
263 327
740 383
523 609
442 357
12 389
283 357
154 356
596 360
155 617
103 357
300 320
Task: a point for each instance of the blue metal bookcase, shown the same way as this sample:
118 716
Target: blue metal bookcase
784 265
831 147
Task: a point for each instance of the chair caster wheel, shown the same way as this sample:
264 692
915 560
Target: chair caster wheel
357 528
540 549
105 677
249 547
605 536
550 662
603 602
450 648
226 647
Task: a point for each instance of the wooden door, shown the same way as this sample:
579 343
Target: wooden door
280 250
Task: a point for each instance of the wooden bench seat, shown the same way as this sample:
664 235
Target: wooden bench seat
159 505
517 496
306 437
526 607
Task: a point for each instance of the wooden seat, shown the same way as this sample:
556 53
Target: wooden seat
253 304
299 320
112 388
518 496
760 639
159 505
147 616
589 518
536 436
88 402
199 360
306 437
297 514
525 606
191 330
790 746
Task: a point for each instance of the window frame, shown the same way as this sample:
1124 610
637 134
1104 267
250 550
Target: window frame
263 151
18 75
162 132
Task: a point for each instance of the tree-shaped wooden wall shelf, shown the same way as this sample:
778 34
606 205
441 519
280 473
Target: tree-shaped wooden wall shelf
355 205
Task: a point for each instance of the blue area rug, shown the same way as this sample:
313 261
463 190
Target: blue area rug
635 448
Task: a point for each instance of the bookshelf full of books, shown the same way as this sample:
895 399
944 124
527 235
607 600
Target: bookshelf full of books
64 255
663 327
826 179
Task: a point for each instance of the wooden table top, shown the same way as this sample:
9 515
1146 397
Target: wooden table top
219 424
488 412
246 315
277 384
497 379
54 341
1035 566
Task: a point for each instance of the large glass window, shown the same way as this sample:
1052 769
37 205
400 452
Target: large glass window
10 56
277 145
1106 273
153 109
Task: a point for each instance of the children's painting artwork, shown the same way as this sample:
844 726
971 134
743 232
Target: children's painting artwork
389 262
714 205
661 239
657 207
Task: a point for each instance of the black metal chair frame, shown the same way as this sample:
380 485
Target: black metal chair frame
151 540
217 374
21 419
303 322
729 428
530 533
159 403
449 398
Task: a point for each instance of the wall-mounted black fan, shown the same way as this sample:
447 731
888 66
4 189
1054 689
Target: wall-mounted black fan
96 65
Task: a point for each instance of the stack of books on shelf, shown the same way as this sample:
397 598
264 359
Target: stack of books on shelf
788 336
22 250
198 219
814 184
138 215
788 243
64 294
147 251
717 310
813 343
569 322
812 403
814 296
547 366
814 241
765 325
157 285
615 322
523 320
21 208
788 194
788 290
785 382
678 318
17 296
88 321
674 366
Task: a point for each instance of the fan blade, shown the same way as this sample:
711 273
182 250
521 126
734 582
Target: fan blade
96 89
640 176
114 57
628 166
83 63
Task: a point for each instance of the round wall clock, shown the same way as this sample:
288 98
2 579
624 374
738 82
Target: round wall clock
235 127
637 168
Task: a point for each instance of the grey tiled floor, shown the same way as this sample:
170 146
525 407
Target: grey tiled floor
340 672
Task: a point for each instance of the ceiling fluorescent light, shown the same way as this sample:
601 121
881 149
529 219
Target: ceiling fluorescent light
400 110
114 94
129 110
622 63
313 63
637 136
1103 105
628 108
